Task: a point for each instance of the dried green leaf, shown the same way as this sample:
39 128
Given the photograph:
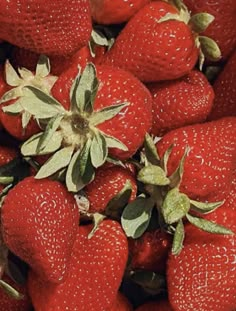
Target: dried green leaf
12 77
113 142
178 238
205 207
176 177
72 175
98 150
165 158
154 175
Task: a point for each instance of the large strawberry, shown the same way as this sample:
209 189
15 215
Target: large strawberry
222 29
110 112
39 221
225 91
162 305
115 12
180 102
156 44
210 160
96 271
202 277
55 27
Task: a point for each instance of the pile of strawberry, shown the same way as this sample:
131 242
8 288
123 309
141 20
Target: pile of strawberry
117 155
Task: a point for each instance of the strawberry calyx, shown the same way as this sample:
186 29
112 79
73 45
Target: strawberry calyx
77 144
161 193
10 290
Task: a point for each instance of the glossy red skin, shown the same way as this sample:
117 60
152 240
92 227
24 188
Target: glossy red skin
154 51
180 102
108 182
39 224
8 303
225 91
115 12
209 164
116 86
222 29
121 303
150 251
206 261
58 28
162 305
96 271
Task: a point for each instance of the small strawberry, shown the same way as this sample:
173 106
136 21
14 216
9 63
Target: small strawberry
39 221
95 274
150 251
18 300
115 12
177 103
225 91
162 305
108 182
121 303
202 277
209 162
158 44
59 28
222 29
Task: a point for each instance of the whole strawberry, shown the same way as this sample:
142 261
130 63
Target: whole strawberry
59 27
115 12
180 102
225 91
156 44
95 274
210 159
222 29
205 262
39 221
162 305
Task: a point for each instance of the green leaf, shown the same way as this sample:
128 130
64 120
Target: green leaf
136 217
150 150
12 77
209 48
59 160
106 113
97 220
43 66
178 238
199 22
208 226
205 207
175 206
116 205
72 175
14 108
25 119
98 150
165 159
5 180
30 147
154 175
25 74
113 142
84 157
176 177
51 128
10 291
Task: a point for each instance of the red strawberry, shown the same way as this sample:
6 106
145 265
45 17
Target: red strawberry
225 91
7 154
39 223
115 12
59 28
96 270
154 49
162 305
150 251
222 29
202 277
8 303
108 182
177 103
121 303
209 163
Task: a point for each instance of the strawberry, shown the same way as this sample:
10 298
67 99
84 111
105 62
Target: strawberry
177 103
95 274
150 251
162 305
225 91
222 29
51 30
108 182
205 262
115 12
209 162
20 303
156 44
39 224
7 154
121 303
